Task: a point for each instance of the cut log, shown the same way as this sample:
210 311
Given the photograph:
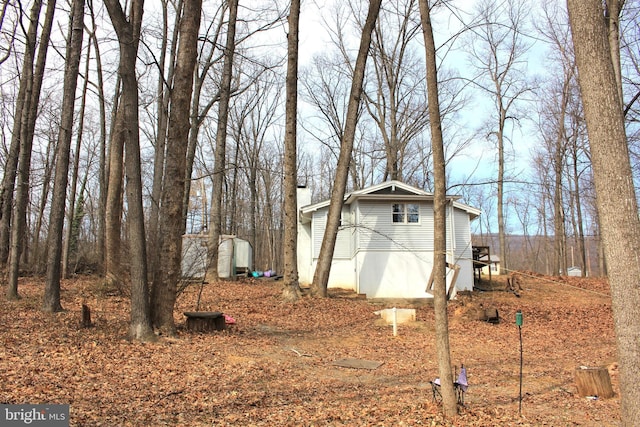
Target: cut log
491 315
205 321
593 381
86 316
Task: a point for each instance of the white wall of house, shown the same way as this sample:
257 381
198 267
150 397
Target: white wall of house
463 251
494 267
391 274
342 274
380 258
305 267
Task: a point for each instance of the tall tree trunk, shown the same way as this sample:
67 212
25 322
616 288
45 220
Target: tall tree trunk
615 192
171 218
450 406
165 82
504 261
323 266
128 32
103 174
23 103
27 125
39 253
221 145
559 241
76 169
198 115
291 287
113 201
51 302
613 10
582 252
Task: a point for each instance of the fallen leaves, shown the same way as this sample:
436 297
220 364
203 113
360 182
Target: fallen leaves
274 366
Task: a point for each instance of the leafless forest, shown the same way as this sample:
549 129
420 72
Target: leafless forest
126 125
509 103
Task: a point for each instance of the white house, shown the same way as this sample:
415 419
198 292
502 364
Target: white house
384 247
491 264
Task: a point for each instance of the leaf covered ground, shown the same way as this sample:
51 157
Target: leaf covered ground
275 366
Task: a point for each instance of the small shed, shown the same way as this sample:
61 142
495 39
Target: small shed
235 256
491 264
574 272
194 255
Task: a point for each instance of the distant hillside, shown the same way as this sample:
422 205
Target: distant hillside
535 253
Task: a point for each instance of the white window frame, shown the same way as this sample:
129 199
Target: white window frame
405 213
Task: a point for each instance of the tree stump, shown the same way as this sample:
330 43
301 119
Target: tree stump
86 316
593 381
491 315
205 321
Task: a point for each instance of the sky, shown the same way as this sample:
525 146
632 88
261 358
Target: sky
480 156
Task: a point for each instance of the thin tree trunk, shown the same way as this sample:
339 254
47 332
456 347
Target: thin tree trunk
291 287
103 168
22 103
44 200
615 191
220 152
27 126
504 262
51 302
76 168
582 252
323 267
128 32
165 82
560 250
449 407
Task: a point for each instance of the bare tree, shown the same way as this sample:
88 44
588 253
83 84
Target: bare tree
252 118
323 267
51 302
126 130
616 197
68 240
221 136
171 212
40 250
23 103
165 81
25 118
291 287
8 35
450 406
327 88
498 55
395 96
102 149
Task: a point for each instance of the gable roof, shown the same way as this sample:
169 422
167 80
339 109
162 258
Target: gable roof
389 190
494 258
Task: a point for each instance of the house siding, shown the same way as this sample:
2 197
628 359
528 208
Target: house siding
343 240
382 259
377 232
463 250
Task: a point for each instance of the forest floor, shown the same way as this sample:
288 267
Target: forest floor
275 366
